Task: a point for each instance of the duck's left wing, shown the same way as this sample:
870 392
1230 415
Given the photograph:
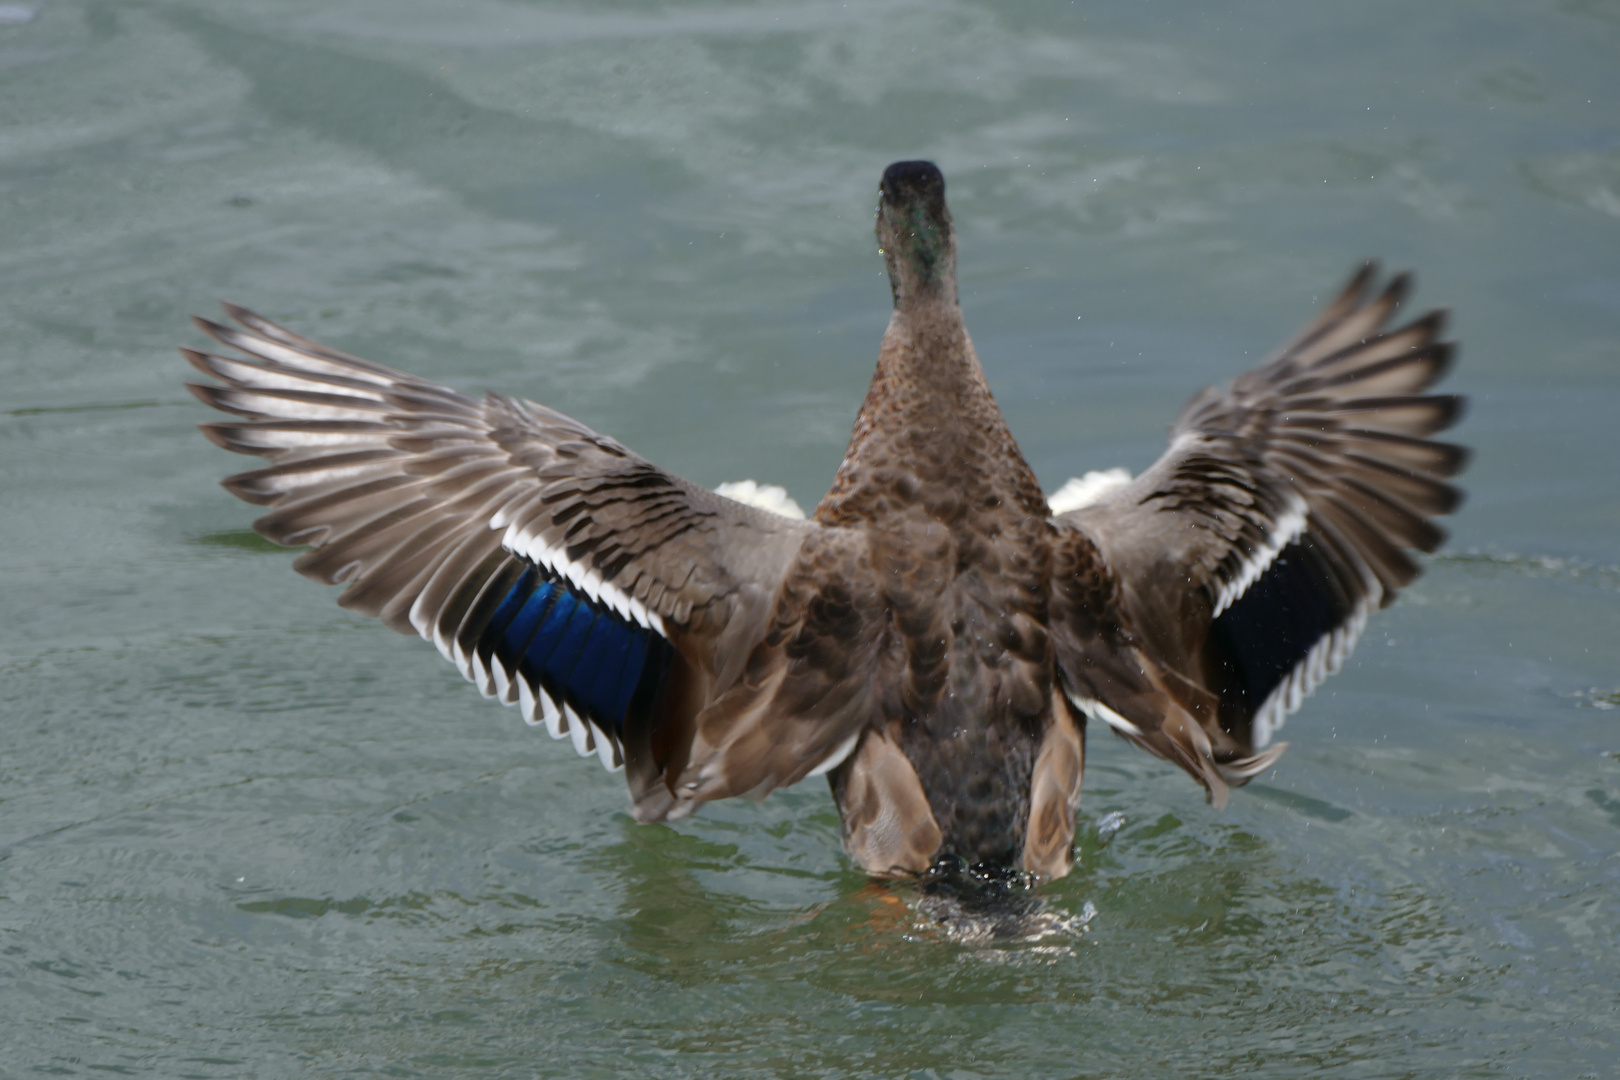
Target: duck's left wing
556 569
1198 604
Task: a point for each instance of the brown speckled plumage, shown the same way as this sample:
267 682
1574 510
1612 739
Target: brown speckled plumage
935 637
960 548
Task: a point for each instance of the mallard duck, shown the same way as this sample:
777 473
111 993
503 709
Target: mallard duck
934 637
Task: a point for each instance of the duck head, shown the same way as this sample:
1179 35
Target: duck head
915 234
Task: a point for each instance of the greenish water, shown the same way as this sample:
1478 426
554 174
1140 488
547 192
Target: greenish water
246 834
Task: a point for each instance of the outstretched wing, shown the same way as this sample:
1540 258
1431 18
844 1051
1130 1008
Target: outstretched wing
1206 598
614 602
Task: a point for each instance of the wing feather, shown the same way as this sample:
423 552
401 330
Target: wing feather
1246 561
614 603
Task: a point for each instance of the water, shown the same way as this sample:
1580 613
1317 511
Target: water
246 834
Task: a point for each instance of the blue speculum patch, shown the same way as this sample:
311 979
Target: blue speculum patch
576 650
1273 626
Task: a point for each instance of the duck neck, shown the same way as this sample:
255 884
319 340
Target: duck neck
927 355
928 416
928 421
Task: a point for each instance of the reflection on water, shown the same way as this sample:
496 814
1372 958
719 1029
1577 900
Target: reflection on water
1492 563
238 540
1304 804
44 409
1204 931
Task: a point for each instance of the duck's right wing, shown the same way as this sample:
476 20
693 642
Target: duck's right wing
1200 603
618 604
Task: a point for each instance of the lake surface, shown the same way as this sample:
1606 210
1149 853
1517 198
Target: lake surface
244 833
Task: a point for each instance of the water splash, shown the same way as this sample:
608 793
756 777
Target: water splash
992 907
1109 824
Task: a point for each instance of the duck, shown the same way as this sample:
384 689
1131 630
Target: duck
936 635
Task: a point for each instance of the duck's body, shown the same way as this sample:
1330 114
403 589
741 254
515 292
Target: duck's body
959 541
934 637
956 529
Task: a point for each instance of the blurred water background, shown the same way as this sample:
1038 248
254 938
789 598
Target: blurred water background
246 834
